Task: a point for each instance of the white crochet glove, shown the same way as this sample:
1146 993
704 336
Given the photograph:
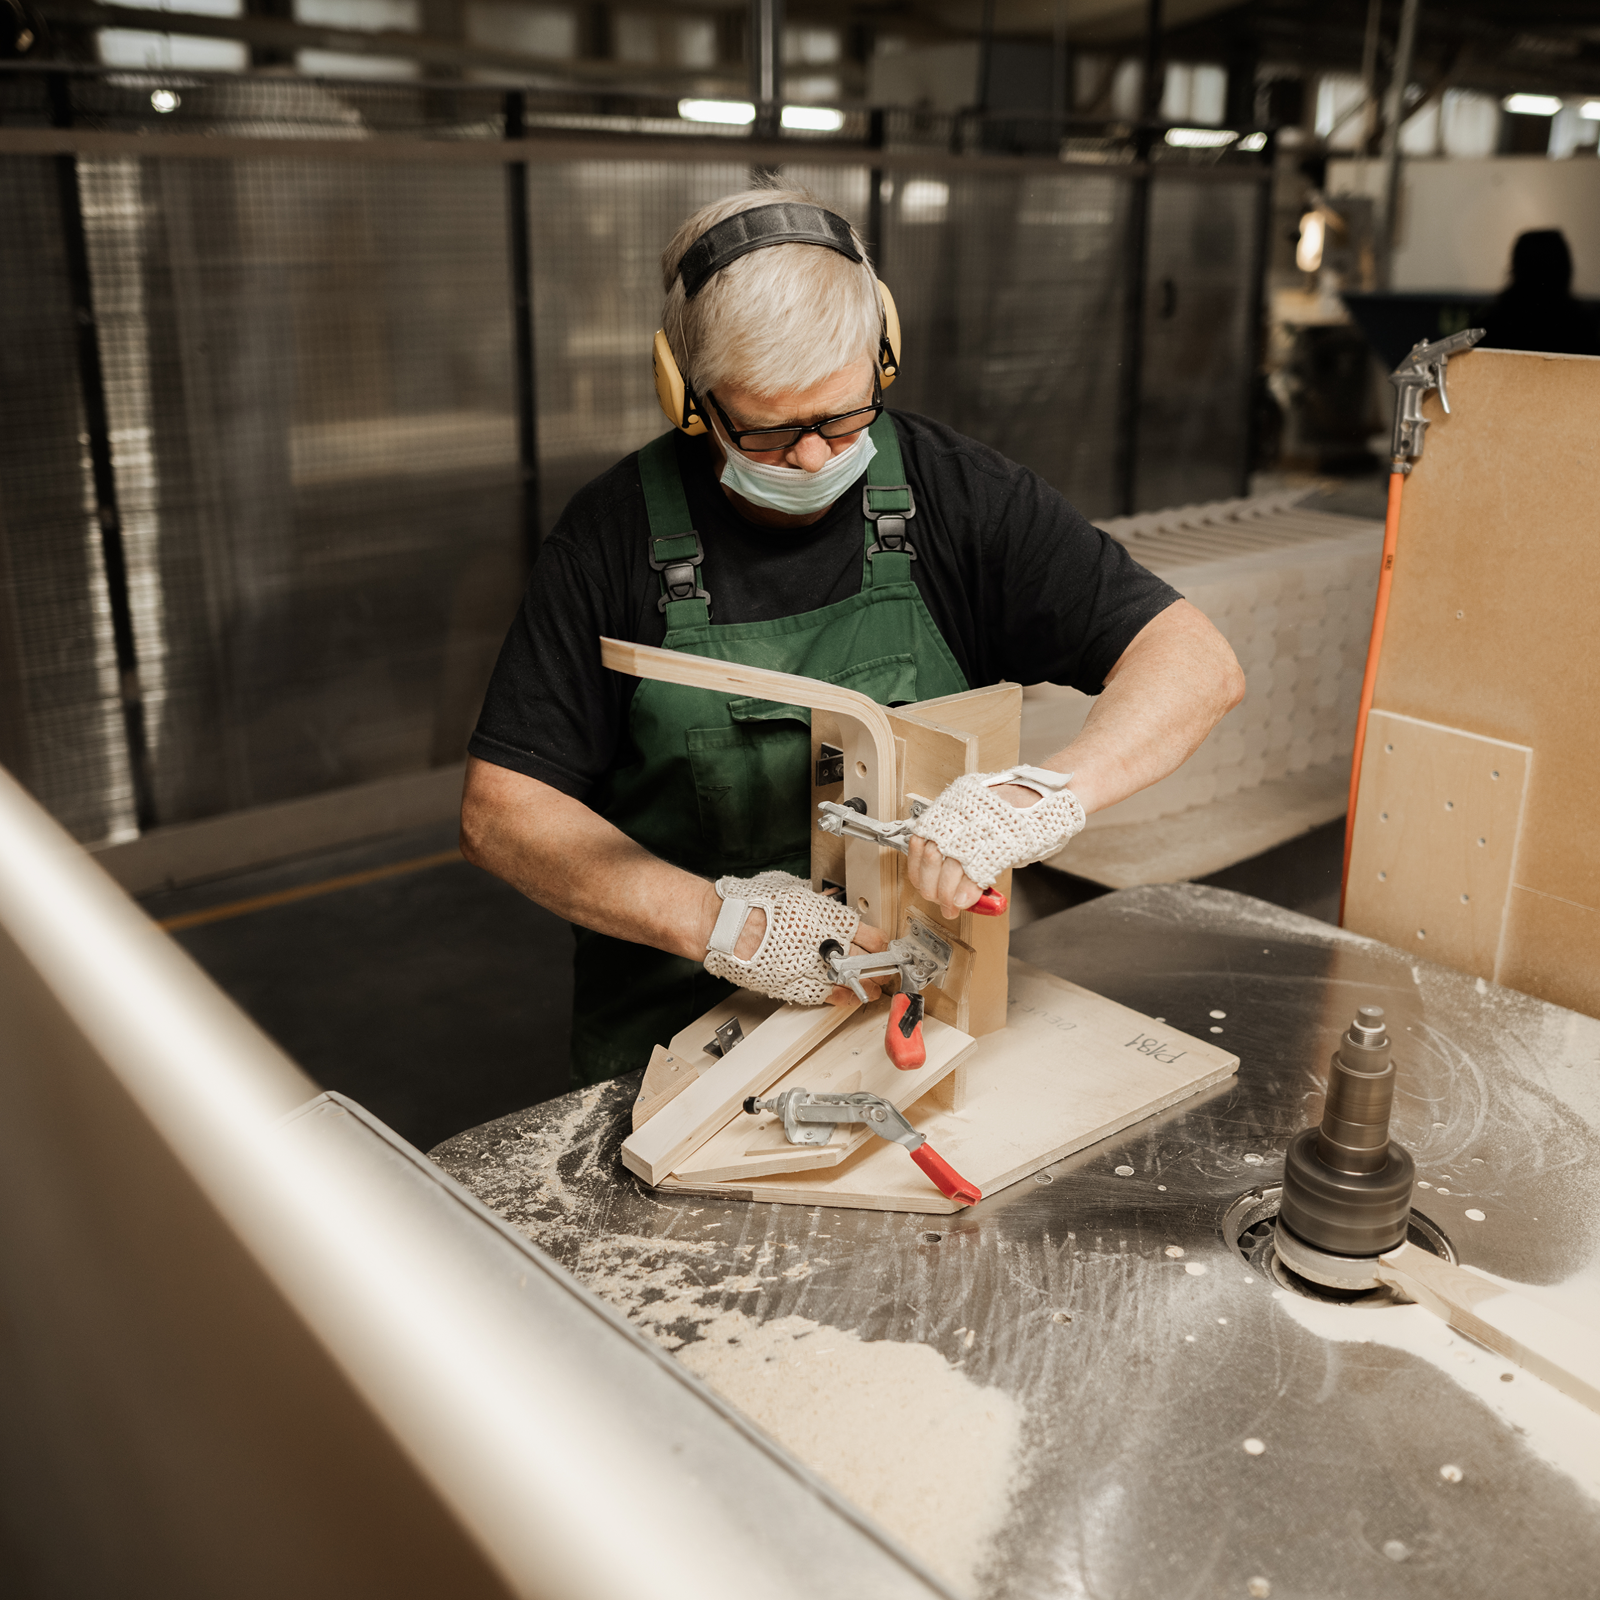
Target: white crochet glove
785 964
981 829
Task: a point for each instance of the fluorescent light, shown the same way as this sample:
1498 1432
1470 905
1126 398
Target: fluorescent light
1313 235
1532 105
738 113
924 200
813 119
1200 138
1253 142
1590 109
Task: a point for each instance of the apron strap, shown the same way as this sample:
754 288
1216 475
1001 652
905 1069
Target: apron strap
674 548
888 505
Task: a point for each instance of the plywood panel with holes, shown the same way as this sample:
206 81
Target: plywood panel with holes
1491 617
1071 1068
851 1061
1436 840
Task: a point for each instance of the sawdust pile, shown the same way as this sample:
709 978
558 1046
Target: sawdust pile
896 1429
893 1427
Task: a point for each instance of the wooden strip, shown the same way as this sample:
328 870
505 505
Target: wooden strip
1534 1335
676 1064
684 1124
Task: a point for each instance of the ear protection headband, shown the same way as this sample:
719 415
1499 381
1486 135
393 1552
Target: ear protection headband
783 222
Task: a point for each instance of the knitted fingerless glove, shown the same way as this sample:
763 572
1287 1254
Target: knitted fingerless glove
981 829
785 964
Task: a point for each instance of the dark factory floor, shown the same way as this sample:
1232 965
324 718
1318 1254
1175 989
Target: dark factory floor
438 997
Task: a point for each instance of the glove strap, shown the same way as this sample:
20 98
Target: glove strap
1041 779
730 924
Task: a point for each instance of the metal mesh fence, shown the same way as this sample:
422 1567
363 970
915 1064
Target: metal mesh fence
60 711
312 398
1010 290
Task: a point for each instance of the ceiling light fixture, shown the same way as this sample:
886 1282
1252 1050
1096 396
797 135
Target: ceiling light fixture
734 113
1532 105
812 119
1201 138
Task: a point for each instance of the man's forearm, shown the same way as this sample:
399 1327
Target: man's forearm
567 858
1170 688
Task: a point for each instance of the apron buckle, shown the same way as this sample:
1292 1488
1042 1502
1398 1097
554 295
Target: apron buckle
889 523
680 571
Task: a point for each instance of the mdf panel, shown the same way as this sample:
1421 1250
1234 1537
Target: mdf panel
1491 616
1436 838
1549 949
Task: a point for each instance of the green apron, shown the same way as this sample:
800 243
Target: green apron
720 785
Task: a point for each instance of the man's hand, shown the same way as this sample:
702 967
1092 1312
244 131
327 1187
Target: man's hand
981 825
868 941
1170 687
766 936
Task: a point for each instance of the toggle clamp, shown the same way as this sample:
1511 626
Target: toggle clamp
919 957
850 821
811 1118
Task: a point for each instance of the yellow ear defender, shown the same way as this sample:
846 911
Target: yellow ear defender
683 409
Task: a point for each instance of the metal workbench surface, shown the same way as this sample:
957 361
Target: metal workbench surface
1191 1428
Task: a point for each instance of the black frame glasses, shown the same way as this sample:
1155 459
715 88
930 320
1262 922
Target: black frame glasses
846 422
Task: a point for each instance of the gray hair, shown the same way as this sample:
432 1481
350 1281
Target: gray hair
785 317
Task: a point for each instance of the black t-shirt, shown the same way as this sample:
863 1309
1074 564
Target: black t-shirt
1020 585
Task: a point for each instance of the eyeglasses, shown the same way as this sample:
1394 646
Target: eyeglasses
759 440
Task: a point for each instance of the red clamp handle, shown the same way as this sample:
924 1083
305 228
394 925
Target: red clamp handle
946 1179
991 903
902 1037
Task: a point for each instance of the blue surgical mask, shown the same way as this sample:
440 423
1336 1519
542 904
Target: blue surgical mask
792 489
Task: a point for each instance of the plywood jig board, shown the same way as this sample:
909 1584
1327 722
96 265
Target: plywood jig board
1490 636
1069 1069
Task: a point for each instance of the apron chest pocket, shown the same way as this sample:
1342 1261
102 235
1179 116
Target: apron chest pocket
750 785
752 780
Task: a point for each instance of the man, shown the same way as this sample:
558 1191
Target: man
670 824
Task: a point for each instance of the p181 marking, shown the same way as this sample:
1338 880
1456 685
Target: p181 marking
1156 1049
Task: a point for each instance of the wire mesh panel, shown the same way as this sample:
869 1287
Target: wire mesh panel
1010 296
598 229
61 727
312 391
310 396
1199 345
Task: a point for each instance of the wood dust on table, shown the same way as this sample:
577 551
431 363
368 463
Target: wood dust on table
893 1427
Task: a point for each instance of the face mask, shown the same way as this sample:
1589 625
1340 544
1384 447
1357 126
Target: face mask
791 489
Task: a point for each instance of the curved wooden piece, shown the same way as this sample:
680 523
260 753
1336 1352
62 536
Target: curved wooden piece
872 876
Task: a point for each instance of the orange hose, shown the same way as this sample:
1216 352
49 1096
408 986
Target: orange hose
1380 615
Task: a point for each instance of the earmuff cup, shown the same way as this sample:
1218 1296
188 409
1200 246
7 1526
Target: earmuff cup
683 409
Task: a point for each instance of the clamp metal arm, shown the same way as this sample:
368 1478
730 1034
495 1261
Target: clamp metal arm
811 1118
